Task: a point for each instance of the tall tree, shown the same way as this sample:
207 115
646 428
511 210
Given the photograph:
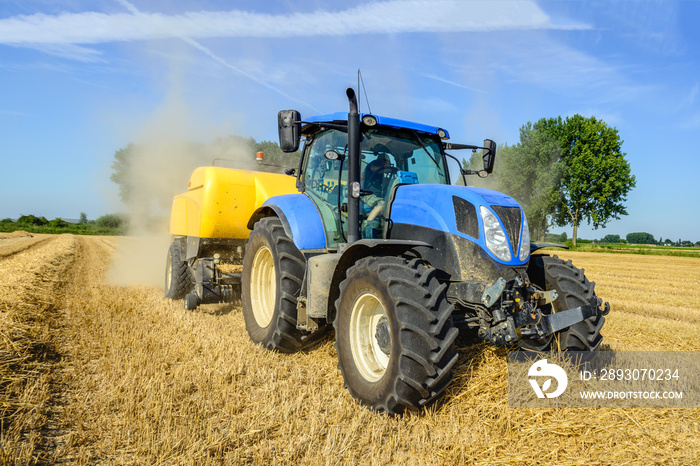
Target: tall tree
530 172
120 170
596 176
610 239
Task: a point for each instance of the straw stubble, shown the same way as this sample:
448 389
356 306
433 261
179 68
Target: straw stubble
144 381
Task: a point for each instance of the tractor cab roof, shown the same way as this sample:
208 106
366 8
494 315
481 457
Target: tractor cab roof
312 124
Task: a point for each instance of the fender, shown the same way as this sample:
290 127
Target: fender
535 246
300 219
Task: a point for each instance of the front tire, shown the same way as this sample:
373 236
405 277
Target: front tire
574 290
273 270
394 334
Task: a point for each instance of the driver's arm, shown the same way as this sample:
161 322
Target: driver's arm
376 203
376 212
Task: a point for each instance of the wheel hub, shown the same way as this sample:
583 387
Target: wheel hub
382 335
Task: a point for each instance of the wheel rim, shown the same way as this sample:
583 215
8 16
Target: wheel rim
169 272
369 333
263 286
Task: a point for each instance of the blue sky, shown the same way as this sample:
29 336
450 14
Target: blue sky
80 79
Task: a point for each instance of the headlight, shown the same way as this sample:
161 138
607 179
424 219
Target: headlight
369 120
496 239
524 241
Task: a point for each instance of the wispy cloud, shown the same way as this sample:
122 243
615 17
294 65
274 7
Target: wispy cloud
244 73
137 14
391 17
10 112
556 67
72 52
452 83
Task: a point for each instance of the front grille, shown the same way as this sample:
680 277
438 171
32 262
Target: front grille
511 218
465 215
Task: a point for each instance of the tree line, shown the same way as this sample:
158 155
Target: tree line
645 238
109 224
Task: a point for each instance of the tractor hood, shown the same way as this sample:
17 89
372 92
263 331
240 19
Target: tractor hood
492 220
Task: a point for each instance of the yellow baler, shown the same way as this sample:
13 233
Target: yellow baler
212 216
220 201
209 224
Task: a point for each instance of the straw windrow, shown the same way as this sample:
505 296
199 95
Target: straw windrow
30 285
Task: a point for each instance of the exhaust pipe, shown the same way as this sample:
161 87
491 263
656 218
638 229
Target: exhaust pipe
353 168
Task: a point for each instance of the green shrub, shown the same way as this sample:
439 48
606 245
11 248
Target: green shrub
58 223
111 221
32 220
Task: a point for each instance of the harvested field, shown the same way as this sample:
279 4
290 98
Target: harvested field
638 287
95 373
12 243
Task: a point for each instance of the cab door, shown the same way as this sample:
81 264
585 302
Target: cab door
325 182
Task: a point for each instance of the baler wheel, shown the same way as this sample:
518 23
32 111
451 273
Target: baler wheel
394 334
178 278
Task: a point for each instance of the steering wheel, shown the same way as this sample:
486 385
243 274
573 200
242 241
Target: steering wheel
388 175
317 175
380 178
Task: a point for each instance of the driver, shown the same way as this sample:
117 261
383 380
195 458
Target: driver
372 180
374 173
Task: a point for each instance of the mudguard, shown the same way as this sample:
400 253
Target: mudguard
535 246
300 218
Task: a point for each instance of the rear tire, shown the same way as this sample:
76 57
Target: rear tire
273 270
178 278
394 334
574 290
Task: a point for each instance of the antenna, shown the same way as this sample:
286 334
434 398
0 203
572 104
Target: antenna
361 80
358 91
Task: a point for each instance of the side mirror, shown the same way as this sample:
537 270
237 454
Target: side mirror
489 155
289 126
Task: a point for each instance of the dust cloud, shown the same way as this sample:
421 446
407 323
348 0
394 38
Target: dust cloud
157 166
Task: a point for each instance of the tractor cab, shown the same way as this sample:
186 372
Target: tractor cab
392 153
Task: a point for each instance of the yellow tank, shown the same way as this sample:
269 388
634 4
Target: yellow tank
220 201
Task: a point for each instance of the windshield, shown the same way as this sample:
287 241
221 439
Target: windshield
402 149
388 158
407 150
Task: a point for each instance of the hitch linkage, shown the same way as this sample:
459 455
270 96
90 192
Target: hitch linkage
519 317
558 321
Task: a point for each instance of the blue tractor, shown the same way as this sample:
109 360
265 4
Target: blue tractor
379 244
